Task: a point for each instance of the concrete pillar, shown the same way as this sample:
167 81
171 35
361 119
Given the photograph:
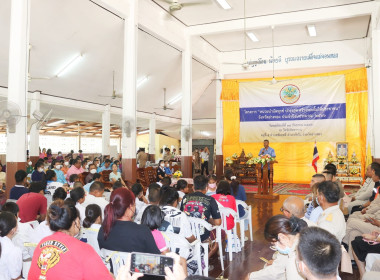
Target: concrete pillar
129 93
34 133
106 124
219 129
375 93
152 139
18 87
187 116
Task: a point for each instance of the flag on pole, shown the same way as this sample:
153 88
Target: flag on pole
315 157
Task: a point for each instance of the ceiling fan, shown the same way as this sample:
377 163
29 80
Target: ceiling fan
30 78
175 5
165 107
246 63
114 95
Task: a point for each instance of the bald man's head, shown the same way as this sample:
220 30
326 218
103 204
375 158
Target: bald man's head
294 206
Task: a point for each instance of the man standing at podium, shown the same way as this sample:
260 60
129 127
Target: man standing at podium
267 150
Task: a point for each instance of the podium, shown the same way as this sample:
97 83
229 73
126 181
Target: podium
265 181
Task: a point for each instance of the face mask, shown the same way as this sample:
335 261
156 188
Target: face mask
162 165
77 236
97 165
30 163
316 200
60 154
167 165
212 186
66 163
285 251
40 169
58 167
86 166
93 171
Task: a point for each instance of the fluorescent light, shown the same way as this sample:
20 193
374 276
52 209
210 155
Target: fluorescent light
57 122
224 4
205 133
175 99
141 81
143 131
69 65
312 30
252 36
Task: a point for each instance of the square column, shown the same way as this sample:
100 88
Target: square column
375 94
34 142
187 116
219 129
106 124
18 87
128 141
152 140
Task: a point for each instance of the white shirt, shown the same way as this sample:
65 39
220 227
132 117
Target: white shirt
204 156
10 260
178 220
139 206
309 223
81 210
90 199
139 214
332 220
40 232
24 231
52 186
181 194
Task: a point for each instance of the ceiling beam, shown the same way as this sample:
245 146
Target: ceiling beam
79 128
60 126
289 18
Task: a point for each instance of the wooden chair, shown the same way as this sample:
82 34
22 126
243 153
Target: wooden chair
82 177
142 177
151 174
105 178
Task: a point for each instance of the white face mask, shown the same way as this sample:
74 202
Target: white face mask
40 169
66 163
93 171
58 167
167 165
30 163
97 165
162 164
60 154
86 166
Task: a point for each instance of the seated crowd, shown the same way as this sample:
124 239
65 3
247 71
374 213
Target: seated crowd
62 228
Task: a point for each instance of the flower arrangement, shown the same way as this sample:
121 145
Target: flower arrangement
249 155
263 159
354 171
354 159
235 156
177 174
229 160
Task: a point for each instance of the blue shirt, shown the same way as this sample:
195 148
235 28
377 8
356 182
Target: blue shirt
60 176
104 168
315 214
240 195
310 209
168 171
269 151
87 186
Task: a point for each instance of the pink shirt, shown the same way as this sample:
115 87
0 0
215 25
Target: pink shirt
229 202
73 170
160 241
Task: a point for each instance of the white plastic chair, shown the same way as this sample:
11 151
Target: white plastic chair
196 226
114 259
370 260
241 221
232 233
179 244
33 224
91 235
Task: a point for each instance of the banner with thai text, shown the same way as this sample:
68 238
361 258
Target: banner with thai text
300 110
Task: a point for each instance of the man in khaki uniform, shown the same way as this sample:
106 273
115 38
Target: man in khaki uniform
142 158
332 218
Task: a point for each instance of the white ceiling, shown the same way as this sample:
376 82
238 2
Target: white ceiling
211 12
334 30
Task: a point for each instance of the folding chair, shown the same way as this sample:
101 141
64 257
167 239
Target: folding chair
115 259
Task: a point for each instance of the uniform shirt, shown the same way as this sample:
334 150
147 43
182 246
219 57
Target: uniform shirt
31 205
17 191
81 210
52 186
127 236
269 151
229 202
90 199
199 205
274 271
40 232
178 220
23 233
10 260
160 171
332 220
61 256
38 176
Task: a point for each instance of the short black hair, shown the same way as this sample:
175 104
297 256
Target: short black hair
266 140
76 160
375 166
330 190
73 177
331 167
152 217
20 175
97 186
223 188
320 251
166 181
50 174
96 176
168 195
318 175
117 185
181 184
136 189
154 193
107 161
200 182
12 207
60 193
77 194
36 187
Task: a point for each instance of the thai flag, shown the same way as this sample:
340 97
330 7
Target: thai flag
315 158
